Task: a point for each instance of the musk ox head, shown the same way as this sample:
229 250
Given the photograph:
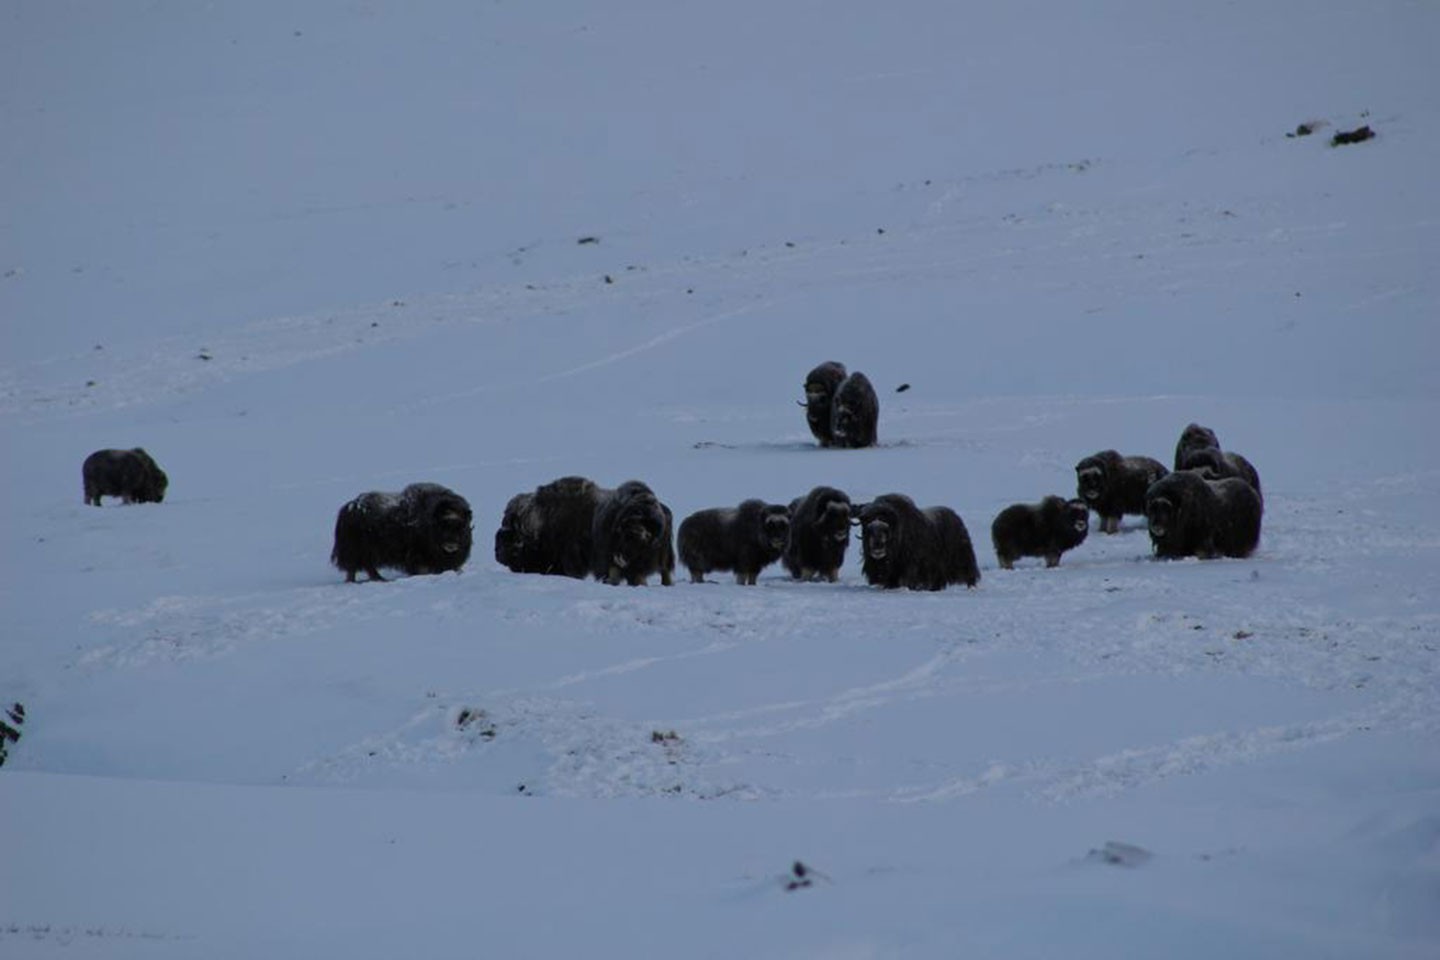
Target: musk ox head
775 526
833 521
1077 517
444 522
515 543
1092 475
880 527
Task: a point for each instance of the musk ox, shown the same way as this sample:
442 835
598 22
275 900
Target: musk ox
1113 485
131 475
820 386
632 536
1216 464
854 412
746 539
819 534
549 530
1190 516
424 528
1193 437
905 546
1045 529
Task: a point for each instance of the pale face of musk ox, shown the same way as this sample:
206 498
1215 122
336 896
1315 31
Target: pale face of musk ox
1190 516
820 386
425 528
855 413
1114 486
1193 437
633 537
819 534
131 475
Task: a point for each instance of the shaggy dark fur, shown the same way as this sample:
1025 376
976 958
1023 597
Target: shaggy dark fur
1045 529
131 475
1216 464
745 539
632 536
1193 437
820 386
856 409
919 549
550 530
424 528
819 534
1113 485
1190 516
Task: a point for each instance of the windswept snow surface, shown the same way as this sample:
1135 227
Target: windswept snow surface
303 251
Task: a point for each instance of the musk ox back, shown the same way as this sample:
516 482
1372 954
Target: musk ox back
820 386
819 534
632 536
746 539
855 412
905 546
1045 529
131 475
1190 516
550 529
1113 485
424 528
1216 464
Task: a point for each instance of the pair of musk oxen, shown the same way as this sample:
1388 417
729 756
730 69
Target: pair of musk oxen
841 408
572 527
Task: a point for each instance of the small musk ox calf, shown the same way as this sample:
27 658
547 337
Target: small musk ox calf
1190 516
920 549
131 475
819 534
855 409
820 386
746 539
1113 485
424 528
632 536
1045 529
549 530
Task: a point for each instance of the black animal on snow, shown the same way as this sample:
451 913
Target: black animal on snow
1045 529
1216 464
1193 437
1114 486
905 546
745 538
819 534
632 536
820 386
424 528
549 530
1190 516
131 475
855 412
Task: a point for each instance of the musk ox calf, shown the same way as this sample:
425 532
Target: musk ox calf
1113 485
632 536
855 409
820 386
549 530
746 539
905 546
1045 529
819 534
131 475
424 528
1190 516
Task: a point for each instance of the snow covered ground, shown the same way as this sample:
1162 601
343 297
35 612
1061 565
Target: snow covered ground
303 251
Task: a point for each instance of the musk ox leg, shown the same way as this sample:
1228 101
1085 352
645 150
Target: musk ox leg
667 579
1006 563
696 576
1052 559
832 575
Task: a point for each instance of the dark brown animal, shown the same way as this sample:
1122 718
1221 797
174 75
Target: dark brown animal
425 528
1114 486
131 475
745 538
1045 529
905 546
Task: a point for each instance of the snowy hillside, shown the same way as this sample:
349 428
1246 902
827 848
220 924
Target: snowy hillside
299 252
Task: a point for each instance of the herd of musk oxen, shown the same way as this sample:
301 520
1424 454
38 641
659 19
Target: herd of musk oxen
1209 505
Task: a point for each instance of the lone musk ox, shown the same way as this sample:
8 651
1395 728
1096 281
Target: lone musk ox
549 530
1190 516
819 534
854 412
746 539
820 386
131 475
1113 485
572 527
905 546
424 528
632 536
1045 529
